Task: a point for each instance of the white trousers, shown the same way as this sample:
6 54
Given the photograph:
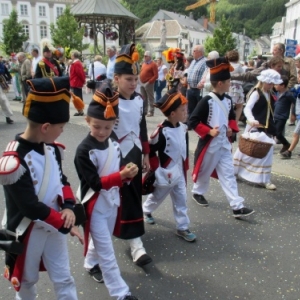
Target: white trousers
14 84
4 103
221 160
101 252
179 199
52 248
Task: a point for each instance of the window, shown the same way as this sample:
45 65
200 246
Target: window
42 11
59 11
4 9
26 29
43 31
24 10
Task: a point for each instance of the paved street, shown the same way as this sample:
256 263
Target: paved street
251 259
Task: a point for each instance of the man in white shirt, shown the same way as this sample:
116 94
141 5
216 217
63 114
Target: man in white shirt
99 68
35 60
112 54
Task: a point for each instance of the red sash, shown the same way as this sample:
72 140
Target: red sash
51 66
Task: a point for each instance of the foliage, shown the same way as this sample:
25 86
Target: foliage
13 34
140 51
255 16
145 12
66 32
222 39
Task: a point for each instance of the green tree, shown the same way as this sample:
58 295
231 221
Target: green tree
222 39
13 34
140 51
66 32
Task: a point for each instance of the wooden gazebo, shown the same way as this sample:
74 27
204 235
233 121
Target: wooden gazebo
108 17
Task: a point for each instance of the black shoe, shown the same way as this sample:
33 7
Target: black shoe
81 113
145 259
96 273
200 200
243 212
9 120
286 154
284 148
129 297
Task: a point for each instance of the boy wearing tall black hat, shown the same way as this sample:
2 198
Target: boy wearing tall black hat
97 163
39 200
214 121
170 141
130 130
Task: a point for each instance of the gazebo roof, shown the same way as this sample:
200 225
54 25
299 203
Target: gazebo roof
105 8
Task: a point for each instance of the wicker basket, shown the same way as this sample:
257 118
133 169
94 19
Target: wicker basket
254 148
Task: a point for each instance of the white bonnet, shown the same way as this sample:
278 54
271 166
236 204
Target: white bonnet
270 76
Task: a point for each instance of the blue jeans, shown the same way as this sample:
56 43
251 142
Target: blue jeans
158 87
193 96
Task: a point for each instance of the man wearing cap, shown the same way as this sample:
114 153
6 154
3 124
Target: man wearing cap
148 76
112 54
195 74
47 66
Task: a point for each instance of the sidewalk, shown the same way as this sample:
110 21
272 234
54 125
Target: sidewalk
284 167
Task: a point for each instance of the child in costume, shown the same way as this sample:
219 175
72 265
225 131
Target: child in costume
130 131
170 140
259 112
214 121
39 200
97 164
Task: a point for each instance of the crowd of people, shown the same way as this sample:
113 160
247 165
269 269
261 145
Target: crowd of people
199 93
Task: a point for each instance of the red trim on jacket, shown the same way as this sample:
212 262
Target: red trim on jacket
202 130
111 180
233 125
54 219
68 193
145 147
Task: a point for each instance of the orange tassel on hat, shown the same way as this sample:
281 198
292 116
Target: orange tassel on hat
78 103
109 111
135 56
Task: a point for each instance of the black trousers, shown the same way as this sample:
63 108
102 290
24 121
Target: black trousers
280 124
194 96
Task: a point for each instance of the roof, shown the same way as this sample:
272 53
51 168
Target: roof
109 8
185 21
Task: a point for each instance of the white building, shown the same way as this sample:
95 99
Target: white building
36 17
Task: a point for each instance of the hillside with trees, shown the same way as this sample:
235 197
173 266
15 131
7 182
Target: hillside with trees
255 16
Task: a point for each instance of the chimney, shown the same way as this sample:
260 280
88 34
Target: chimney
205 23
191 15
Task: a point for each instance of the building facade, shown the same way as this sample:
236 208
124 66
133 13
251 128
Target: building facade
35 16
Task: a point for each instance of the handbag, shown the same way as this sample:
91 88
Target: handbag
91 83
147 183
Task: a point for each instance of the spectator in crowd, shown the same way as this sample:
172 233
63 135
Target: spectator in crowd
160 83
148 76
259 61
112 54
4 103
77 78
251 66
25 73
183 79
195 74
16 83
97 70
35 60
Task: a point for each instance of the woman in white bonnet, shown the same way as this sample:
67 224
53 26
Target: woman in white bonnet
259 112
205 81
